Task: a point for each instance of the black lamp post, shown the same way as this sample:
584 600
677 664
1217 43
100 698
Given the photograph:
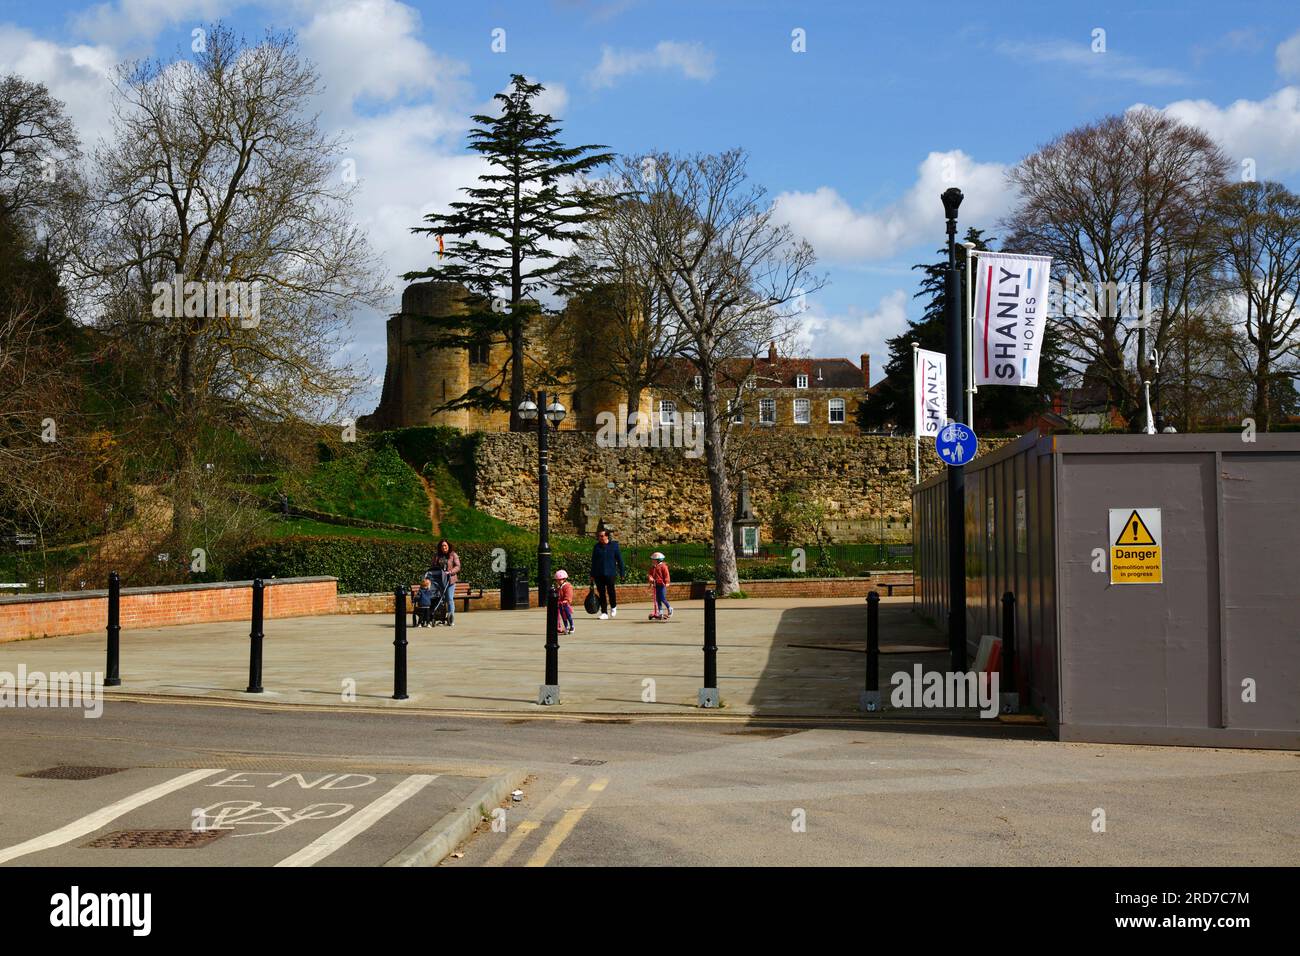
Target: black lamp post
551 414
956 473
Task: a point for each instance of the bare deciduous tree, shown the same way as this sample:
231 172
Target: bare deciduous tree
1258 237
218 173
1111 202
732 278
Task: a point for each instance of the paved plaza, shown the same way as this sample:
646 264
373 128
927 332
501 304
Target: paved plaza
786 657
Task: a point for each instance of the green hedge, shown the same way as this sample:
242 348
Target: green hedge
367 565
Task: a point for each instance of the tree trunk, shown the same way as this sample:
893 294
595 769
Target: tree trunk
1263 406
184 436
724 549
633 403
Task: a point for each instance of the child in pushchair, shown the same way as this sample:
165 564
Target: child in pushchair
434 598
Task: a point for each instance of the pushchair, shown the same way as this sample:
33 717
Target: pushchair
438 611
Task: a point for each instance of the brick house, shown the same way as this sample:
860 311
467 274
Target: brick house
811 396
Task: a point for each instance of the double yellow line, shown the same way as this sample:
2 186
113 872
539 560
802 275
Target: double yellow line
558 833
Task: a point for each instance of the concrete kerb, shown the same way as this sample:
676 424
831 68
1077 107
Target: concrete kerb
433 845
857 719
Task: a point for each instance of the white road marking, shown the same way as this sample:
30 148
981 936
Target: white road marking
359 822
100 818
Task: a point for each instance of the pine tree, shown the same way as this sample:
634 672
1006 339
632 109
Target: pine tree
500 242
996 407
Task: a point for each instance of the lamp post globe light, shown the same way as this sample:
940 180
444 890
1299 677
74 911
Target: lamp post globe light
551 415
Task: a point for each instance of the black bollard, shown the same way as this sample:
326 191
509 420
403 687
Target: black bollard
873 641
549 692
399 644
111 676
870 698
708 696
255 641
1008 678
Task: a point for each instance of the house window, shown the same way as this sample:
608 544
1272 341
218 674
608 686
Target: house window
801 381
736 409
836 411
699 382
802 411
478 353
767 411
667 412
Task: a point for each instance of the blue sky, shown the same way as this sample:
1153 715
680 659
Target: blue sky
852 137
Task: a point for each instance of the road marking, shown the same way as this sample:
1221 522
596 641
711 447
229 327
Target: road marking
525 827
104 816
359 822
560 832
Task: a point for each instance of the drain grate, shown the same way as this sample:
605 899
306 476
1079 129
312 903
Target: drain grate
73 773
154 839
587 762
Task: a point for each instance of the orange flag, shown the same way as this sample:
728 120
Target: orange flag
440 247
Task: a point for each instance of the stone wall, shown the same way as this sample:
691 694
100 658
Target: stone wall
662 495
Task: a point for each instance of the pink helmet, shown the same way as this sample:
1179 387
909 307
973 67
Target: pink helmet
561 575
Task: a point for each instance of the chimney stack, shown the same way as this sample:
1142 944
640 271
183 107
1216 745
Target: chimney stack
866 370
771 351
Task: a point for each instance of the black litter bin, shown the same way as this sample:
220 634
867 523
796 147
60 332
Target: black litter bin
514 589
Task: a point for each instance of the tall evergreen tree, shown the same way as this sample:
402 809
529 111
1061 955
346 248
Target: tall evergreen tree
996 408
501 241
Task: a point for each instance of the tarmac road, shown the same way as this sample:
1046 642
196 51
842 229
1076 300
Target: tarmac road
625 791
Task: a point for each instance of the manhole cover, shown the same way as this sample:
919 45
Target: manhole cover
586 762
73 773
154 839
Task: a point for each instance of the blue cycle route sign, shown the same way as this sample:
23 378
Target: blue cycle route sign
956 443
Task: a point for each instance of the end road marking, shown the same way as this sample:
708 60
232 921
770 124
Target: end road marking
102 817
359 822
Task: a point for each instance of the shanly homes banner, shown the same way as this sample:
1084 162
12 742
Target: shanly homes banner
1010 317
930 405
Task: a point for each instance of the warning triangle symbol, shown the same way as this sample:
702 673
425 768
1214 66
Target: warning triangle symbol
1135 531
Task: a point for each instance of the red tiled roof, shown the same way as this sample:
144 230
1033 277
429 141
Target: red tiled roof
837 373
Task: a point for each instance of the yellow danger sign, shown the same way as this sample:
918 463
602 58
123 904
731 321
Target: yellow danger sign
1135 546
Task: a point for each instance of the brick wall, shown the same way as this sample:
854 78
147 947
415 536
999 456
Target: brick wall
81 612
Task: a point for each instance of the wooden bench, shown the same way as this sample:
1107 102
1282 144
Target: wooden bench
464 591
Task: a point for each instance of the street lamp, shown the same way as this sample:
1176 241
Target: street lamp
956 473
554 414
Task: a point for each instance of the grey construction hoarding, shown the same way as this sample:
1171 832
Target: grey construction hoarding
1155 579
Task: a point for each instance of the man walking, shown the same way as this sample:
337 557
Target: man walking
606 568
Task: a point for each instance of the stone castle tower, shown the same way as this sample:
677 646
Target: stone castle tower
421 377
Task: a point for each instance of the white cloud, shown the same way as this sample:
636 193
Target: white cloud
1288 58
841 233
129 22
78 75
370 50
1108 65
692 60
855 331
1267 131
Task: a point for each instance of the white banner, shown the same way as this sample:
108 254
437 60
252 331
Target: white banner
1010 317
930 408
